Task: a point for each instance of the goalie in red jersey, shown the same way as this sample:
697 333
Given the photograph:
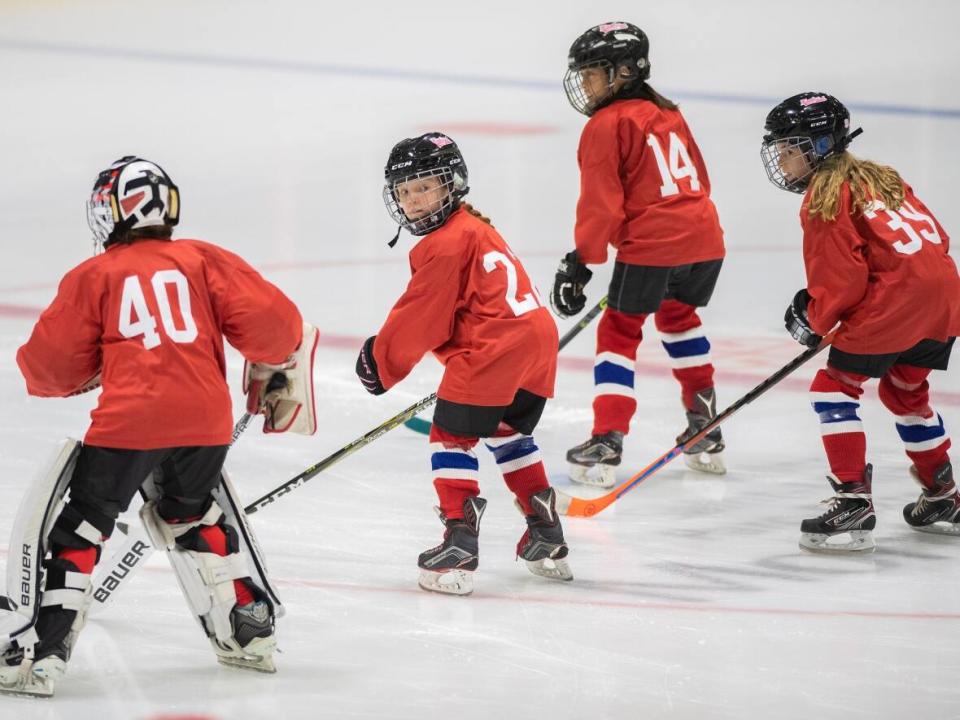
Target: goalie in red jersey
146 319
470 302
643 190
877 270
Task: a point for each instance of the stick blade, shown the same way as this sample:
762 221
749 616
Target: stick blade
582 507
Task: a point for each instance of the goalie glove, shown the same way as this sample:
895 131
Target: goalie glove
572 276
283 393
797 322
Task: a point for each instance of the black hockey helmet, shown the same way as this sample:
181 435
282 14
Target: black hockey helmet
433 155
615 47
813 125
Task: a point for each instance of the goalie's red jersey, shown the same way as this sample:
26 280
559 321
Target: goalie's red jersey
151 317
644 189
884 275
471 303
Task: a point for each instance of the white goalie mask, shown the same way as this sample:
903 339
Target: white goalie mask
131 193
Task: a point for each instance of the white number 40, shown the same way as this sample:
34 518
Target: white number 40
679 167
136 320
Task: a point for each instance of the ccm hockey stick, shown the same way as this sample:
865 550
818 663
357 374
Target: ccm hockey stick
136 548
583 507
423 426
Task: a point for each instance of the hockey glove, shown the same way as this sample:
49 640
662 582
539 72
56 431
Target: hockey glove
367 369
797 323
283 393
567 298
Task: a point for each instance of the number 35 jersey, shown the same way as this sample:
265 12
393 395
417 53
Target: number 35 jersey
884 275
644 189
151 317
471 303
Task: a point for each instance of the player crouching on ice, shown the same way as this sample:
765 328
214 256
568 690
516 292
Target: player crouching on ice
877 264
644 190
471 303
146 319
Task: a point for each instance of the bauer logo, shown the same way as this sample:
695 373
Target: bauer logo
804 102
123 568
26 575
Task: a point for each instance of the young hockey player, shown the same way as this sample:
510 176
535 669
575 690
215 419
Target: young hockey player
146 320
471 303
644 190
877 265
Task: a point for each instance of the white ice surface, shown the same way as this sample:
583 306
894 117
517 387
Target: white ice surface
691 598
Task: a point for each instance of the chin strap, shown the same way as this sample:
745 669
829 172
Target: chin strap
395 237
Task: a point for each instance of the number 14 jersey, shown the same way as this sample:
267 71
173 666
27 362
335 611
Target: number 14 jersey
151 317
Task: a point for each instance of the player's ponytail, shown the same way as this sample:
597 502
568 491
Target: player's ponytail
644 91
476 213
868 181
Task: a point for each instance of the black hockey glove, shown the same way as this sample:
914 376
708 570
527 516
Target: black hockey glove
567 298
796 322
367 369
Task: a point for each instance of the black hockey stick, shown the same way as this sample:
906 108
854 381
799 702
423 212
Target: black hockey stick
587 507
423 426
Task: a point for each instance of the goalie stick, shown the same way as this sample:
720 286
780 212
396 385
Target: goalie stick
587 507
423 426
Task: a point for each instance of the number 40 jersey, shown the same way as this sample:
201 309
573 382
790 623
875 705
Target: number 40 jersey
150 317
471 303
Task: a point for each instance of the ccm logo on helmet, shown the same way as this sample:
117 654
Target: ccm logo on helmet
397 166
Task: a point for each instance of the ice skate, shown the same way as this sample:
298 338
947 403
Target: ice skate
849 515
707 455
937 510
255 642
542 546
448 568
22 675
594 462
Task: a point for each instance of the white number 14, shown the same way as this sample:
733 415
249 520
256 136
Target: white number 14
679 167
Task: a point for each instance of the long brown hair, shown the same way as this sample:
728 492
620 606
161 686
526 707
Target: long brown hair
644 91
476 213
868 181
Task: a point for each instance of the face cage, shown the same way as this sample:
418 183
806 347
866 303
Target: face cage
577 95
100 220
431 221
771 152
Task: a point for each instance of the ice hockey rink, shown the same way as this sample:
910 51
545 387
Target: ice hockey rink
691 598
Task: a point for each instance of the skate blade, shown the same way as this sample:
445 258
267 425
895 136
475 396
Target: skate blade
552 569
941 527
257 655
447 582
22 681
711 463
601 476
860 541
263 664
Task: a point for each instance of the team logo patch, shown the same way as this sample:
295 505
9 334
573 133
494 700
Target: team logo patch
441 141
610 27
804 102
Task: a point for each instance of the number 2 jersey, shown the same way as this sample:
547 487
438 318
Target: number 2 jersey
884 275
644 189
470 302
150 317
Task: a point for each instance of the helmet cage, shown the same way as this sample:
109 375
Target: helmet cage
778 153
577 94
452 185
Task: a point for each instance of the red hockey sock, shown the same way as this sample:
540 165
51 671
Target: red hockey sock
618 336
835 396
682 336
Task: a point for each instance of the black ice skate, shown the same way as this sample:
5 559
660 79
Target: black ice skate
602 452
707 455
542 545
448 568
849 514
937 510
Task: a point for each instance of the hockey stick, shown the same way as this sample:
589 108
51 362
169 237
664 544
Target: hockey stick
423 426
583 507
135 548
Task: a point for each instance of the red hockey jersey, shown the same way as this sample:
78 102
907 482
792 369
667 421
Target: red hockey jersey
884 275
471 303
644 189
151 317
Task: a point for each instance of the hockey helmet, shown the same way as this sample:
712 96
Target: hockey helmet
615 48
